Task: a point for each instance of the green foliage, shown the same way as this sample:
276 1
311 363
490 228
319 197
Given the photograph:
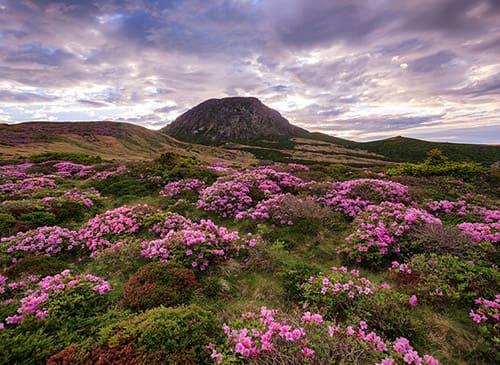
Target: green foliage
437 164
123 185
159 283
38 219
7 222
438 279
293 278
66 156
36 265
184 330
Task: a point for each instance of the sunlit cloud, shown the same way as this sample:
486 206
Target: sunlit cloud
351 68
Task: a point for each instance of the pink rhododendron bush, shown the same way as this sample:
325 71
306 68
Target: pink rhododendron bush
271 337
153 262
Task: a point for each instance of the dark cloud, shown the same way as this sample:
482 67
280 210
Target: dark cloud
439 61
36 54
91 103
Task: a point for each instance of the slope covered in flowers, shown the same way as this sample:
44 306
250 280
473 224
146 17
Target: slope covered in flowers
359 268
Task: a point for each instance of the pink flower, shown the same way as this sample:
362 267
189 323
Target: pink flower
413 300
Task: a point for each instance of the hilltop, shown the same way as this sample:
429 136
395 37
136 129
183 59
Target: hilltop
233 119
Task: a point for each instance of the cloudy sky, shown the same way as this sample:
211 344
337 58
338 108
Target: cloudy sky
356 69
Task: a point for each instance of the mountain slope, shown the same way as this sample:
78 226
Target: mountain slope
110 140
233 119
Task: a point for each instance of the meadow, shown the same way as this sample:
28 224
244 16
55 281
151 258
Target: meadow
179 261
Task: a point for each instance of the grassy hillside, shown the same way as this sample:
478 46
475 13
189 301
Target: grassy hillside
402 149
110 140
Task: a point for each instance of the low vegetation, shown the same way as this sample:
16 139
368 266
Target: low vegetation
177 261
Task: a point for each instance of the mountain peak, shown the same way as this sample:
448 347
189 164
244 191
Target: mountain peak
231 119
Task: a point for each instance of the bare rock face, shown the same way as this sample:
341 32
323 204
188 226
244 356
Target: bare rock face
234 119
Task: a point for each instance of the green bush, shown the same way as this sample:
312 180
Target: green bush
7 222
181 332
159 283
38 219
66 156
293 278
36 265
448 279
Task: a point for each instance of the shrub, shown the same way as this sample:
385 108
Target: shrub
38 219
446 279
79 158
7 222
343 295
273 338
293 278
487 318
35 265
159 283
172 334
381 233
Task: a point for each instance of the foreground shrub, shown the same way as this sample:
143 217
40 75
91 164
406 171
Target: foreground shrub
345 296
158 336
63 296
271 338
294 278
168 284
446 279
487 317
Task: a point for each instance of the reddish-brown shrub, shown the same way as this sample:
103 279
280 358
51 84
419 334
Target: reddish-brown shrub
158 283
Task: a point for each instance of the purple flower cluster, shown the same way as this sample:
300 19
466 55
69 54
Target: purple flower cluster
195 245
48 241
482 231
176 187
230 196
35 301
15 171
489 310
283 209
310 339
25 187
107 228
351 197
67 169
103 175
379 226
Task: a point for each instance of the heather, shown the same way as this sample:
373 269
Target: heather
178 261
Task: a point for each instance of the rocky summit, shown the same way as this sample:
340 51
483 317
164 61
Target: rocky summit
233 119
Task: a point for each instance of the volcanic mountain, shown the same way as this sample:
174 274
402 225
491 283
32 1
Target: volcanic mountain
233 119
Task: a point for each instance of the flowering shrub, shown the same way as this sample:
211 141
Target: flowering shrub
482 231
163 222
380 230
232 195
270 337
25 187
487 317
15 171
159 283
285 209
350 197
69 169
177 187
345 295
445 278
198 246
47 241
63 296
112 226
103 175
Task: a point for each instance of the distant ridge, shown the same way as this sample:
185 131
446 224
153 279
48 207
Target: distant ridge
229 120
110 140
